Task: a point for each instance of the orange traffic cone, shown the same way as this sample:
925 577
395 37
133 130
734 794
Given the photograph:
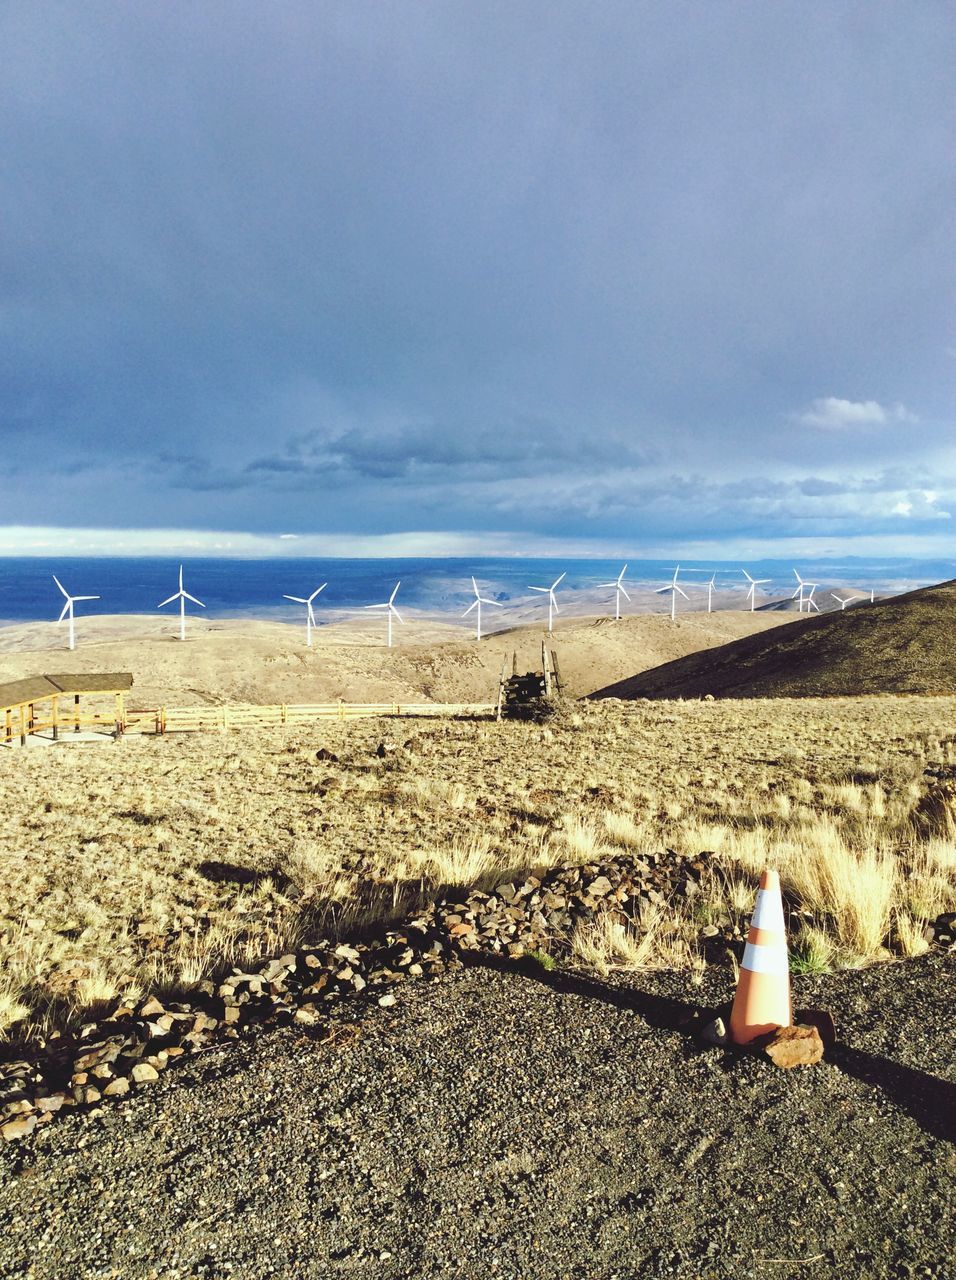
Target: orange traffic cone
762 1002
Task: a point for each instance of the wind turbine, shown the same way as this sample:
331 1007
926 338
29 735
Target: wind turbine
798 594
552 602
67 610
182 596
843 603
673 588
754 584
619 590
478 601
389 605
710 592
310 612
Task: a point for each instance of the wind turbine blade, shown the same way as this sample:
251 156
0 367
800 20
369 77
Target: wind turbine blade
473 605
746 575
395 592
543 589
659 591
474 586
180 577
375 606
625 595
296 599
86 597
64 611
797 576
622 573
187 596
554 606
398 615
169 601
797 592
496 603
615 583
316 592
683 593
557 580
61 586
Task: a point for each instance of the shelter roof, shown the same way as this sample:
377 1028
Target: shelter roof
34 688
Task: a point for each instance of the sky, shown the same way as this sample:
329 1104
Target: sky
464 276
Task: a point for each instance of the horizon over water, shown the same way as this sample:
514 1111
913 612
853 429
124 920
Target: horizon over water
239 587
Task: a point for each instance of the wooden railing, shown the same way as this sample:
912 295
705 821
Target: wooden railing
251 716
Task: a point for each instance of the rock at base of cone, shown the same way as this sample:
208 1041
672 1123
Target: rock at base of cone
799 1046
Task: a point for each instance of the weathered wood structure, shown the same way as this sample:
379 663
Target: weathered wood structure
38 704
518 695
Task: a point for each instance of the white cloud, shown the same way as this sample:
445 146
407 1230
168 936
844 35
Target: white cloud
903 509
832 413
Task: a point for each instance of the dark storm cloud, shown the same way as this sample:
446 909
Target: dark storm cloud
550 267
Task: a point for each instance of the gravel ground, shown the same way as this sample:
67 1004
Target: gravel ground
500 1124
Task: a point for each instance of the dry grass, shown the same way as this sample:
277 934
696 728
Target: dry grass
156 862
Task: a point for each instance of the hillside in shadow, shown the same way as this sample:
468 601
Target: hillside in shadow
901 645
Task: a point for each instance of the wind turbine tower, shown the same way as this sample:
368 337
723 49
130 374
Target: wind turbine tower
182 595
619 590
710 592
478 601
67 610
674 588
799 596
389 607
552 601
754 584
310 612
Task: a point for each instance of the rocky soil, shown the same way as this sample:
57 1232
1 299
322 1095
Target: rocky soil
504 1123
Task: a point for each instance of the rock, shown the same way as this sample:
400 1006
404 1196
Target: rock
387 1000
797 1046
50 1104
143 1073
823 1021
715 1032
151 1008
324 753
307 1016
19 1127
116 1088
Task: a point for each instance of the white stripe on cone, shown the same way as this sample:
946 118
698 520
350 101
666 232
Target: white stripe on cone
763 959
768 913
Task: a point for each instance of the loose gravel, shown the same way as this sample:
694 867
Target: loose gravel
511 1124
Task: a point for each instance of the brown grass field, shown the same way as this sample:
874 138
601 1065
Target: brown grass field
149 863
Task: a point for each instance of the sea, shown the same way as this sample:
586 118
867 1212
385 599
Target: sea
254 588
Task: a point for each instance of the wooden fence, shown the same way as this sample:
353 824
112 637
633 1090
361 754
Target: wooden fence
253 717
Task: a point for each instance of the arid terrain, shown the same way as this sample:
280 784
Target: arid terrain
899 645
148 864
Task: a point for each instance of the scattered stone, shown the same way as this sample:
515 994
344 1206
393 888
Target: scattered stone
143 1073
823 1021
387 1000
797 1046
715 1032
19 1127
116 1088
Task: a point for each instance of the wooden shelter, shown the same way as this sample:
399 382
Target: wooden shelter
38 703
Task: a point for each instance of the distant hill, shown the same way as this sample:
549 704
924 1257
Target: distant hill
906 644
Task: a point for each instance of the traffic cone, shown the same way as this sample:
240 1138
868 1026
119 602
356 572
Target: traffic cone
762 1002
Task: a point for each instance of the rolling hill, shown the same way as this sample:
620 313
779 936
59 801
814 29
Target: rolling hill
901 645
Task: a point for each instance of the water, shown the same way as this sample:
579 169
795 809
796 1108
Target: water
254 588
